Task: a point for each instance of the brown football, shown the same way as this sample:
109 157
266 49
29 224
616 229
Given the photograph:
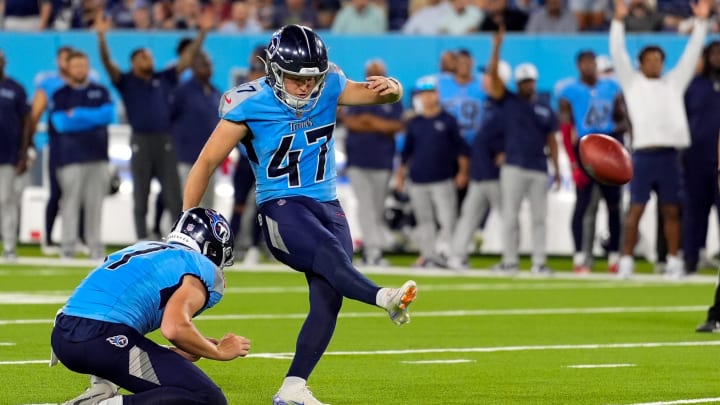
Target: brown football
605 159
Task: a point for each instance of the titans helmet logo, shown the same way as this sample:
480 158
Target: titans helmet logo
274 45
219 227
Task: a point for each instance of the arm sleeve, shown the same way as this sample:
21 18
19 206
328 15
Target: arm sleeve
83 118
619 54
685 68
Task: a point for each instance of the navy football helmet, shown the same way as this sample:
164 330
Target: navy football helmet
296 50
206 231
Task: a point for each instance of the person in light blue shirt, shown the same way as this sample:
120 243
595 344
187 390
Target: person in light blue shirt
462 95
592 105
286 121
142 288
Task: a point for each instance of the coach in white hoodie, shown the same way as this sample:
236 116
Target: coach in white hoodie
657 112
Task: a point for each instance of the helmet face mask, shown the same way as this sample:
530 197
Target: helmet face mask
296 51
206 231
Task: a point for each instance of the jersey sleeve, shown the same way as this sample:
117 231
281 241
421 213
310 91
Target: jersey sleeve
213 279
335 73
564 92
233 104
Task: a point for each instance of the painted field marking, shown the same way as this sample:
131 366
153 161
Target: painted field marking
21 362
7 344
30 298
601 365
85 264
589 346
451 361
429 314
682 401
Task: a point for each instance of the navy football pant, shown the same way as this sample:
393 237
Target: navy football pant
118 353
583 195
701 193
314 238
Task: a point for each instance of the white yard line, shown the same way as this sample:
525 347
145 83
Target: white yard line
452 361
589 346
429 314
601 365
7 344
682 401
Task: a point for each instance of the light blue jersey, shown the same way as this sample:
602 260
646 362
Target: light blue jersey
465 102
290 155
592 107
134 284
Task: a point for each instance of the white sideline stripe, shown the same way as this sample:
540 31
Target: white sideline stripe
59 296
20 362
473 287
601 365
29 298
454 361
54 266
590 346
682 401
458 313
7 344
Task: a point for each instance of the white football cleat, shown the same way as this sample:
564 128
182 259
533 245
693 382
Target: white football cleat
400 299
97 392
299 396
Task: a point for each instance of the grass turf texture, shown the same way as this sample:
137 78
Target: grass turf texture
537 337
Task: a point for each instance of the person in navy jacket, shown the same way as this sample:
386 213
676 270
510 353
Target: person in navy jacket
13 153
529 127
193 113
80 114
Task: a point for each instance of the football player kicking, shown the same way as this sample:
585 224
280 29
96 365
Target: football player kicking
150 285
286 121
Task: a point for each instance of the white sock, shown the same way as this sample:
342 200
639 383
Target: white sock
675 262
116 400
291 383
579 259
613 258
383 297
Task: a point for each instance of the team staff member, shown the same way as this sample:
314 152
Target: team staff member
660 127
700 160
146 95
370 150
529 127
14 138
79 115
433 136
193 112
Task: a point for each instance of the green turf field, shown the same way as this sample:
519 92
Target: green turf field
474 339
